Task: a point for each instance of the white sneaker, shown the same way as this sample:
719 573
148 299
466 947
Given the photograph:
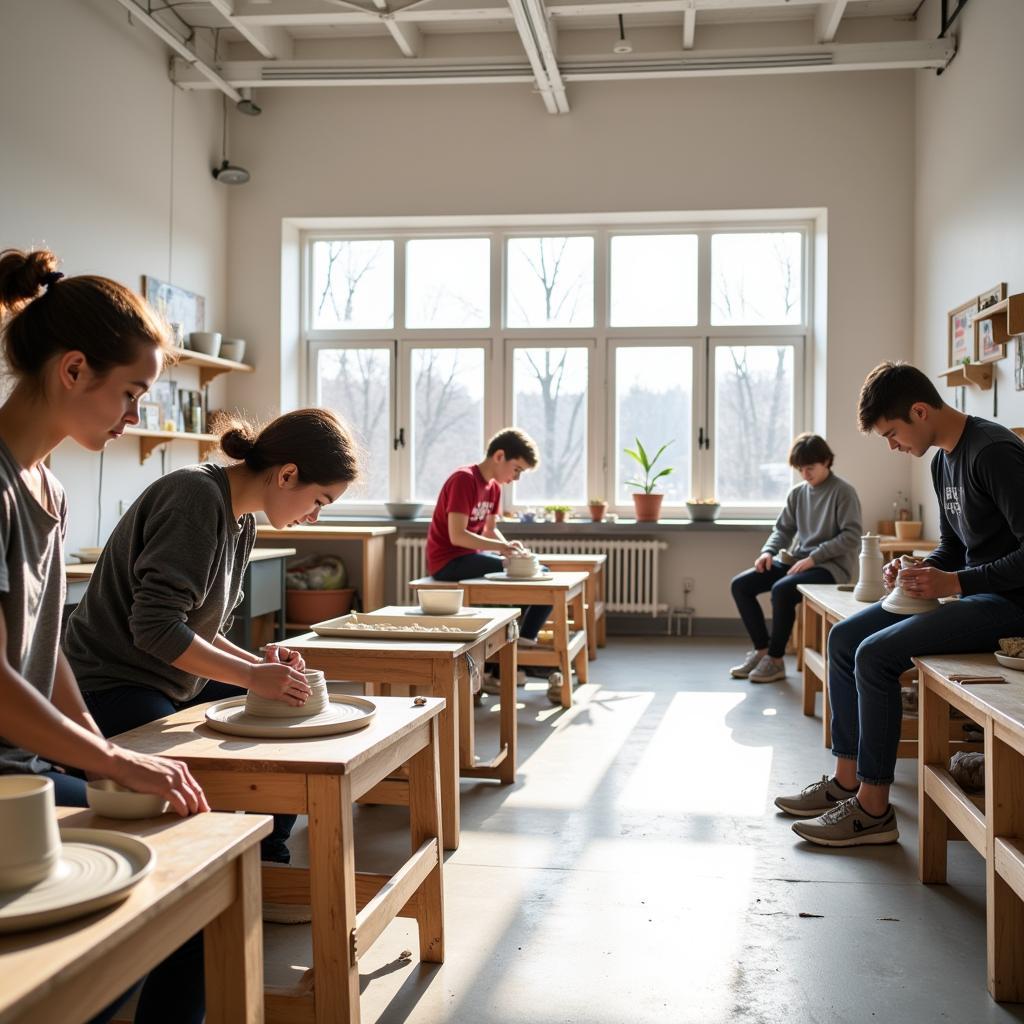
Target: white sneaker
750 661
769 670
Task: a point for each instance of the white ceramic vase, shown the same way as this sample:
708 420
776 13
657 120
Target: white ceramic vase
869 584
901 603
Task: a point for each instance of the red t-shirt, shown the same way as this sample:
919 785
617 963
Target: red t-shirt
466 492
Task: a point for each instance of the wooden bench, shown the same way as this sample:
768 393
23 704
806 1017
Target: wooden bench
993 825
595 592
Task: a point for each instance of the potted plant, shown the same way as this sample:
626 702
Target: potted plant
559 511
645 501
598 507
315 589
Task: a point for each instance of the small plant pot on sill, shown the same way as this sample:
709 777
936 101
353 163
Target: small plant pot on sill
648 507
597 511
309 606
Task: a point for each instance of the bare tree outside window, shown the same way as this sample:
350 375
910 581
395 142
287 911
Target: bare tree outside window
447 414
353 284
756 278
754 419
356 384
550 282
448 283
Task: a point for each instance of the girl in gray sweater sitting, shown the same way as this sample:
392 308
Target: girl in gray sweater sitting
815 540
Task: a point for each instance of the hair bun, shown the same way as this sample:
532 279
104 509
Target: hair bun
238 441
22 275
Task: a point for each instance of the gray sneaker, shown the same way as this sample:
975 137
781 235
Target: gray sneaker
769 670
848 824
750 661
815 799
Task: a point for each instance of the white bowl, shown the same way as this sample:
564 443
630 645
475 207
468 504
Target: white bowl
702 511
403 509
106 797
233 349
89 554
206 342
522 566
441 602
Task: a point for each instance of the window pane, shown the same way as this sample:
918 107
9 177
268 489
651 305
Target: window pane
353 285
448 282
654 280
447 415
550 282
356 384
754 424
757 278
653 400
549 392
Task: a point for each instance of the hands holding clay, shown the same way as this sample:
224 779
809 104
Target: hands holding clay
286 656
160 776
514 547
279 680
926 581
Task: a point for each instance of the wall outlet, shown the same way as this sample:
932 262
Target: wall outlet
687 584
122 507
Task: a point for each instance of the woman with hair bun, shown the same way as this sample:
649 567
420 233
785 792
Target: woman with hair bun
82 351
148 638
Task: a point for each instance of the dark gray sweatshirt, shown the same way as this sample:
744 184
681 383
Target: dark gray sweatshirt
171 570
822 522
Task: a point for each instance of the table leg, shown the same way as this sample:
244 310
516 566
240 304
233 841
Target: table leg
560 615
373 573
826 706
467 719
332 881
508 726
233 950
591 593
602 624
425 824
933 749
446 685
581 662
810 634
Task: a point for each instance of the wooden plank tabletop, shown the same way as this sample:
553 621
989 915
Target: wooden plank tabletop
560 581
264 532
186 736
188 852
1002 701
379 647
84 570
840 603
572 559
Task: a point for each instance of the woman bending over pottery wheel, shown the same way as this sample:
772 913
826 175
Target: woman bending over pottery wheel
148 638
82 352
815 540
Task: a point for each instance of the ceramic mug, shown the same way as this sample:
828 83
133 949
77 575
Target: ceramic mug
28 822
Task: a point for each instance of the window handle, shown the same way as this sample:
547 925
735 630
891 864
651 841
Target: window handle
707 441
399 441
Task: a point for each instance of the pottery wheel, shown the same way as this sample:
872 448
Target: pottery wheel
503 577
343 714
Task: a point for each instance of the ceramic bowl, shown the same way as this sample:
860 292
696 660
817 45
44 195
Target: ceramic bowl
703 511
232 348
441 602
106 797
206 342
28 822
89 554
909 529
522 566
403 509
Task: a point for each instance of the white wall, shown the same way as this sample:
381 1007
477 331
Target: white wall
86 168
970 198
841 141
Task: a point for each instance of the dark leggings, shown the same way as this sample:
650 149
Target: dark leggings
469 567
173 992
127 707
785 598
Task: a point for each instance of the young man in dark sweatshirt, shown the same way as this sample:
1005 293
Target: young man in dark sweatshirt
977 475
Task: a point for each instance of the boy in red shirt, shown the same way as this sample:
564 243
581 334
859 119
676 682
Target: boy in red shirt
463 540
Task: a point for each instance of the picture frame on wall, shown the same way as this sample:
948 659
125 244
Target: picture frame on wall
961 333
164 394
1018 363
182 308
985 343
992 296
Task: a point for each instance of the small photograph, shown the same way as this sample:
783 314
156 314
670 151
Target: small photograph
164 394
989 298
988 350
961 332
149 415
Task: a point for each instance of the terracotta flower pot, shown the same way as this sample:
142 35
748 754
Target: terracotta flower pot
597 512
304 607
560 516
648 507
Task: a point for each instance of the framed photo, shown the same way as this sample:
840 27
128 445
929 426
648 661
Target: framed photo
164 394
149 415
992 296
1018 363
185 310
961 333
985 343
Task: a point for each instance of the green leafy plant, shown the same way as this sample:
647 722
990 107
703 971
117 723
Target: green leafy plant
597 501
558 508
650 478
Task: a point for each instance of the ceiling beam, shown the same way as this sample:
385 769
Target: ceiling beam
545 33
826 20
689 26
405 34
524 27
269 41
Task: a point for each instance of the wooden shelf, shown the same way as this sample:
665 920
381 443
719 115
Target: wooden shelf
150 440
978 374
1007 318
210 367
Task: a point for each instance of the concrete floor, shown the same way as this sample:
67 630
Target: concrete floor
637 872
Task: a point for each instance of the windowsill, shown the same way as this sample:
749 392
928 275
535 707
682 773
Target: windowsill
514 528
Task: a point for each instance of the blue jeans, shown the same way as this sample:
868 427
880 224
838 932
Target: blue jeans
173 991
127 707
785 598
868 651
469 567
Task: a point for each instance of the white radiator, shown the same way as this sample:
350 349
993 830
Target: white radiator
631 575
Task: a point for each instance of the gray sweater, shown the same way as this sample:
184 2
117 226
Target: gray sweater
171 570
822 522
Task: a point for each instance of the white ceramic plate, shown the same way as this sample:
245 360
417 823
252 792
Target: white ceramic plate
436 615
1008 662
345 714
503 577
97 868
370 626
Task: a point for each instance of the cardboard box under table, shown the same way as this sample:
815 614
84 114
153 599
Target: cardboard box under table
440 668
564 592
206 875
322 777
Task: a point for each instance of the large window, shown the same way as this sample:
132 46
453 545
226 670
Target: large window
690 335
